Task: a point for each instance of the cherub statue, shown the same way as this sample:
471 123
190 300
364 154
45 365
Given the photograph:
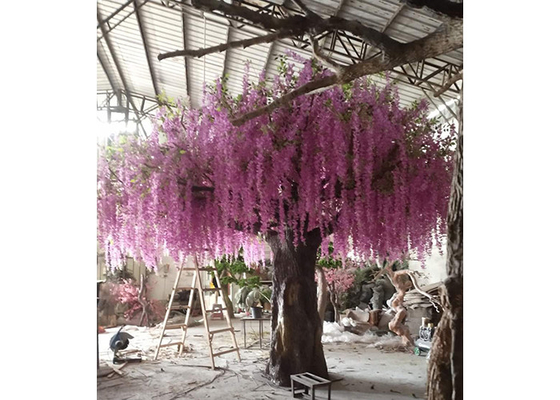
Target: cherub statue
402 280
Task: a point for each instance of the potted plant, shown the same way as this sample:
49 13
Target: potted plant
256 298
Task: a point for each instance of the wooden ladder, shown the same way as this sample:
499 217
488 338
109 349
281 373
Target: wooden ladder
196 287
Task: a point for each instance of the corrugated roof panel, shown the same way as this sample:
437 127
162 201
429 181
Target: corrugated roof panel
107 7
405 30
369 7
201 34
163 28
129 48
281 48
103 82
324 8
237 58
105 56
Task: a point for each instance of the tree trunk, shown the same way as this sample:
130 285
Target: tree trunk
445 368
227 301
322 293
336 309
296 327
145 315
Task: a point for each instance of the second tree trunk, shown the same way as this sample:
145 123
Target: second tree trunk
296 327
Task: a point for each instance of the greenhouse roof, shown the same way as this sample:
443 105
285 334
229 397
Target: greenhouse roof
132 33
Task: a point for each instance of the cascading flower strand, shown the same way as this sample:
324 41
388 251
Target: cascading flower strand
373 176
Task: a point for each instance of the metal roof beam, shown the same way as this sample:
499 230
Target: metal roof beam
417 80
228 36
106 70
146 46
106 31
185 45
117 65
439 98
118 10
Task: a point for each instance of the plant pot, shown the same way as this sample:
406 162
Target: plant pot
256 312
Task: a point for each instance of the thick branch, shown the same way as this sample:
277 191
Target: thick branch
286 99
324 59
311 24
447 38
448 84
230 45
202 189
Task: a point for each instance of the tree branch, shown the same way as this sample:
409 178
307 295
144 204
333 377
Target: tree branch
287 98
231 45
447 38
448 84
202 189
116 176
312 24
324 59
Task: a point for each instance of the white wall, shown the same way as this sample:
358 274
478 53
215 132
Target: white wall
161 282
434 270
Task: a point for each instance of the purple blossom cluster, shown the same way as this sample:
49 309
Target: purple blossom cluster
374 177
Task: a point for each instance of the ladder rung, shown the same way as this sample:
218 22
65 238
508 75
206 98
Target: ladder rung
220 308
200 269
172 344
179 306
221 330
176 326
210 289
225 351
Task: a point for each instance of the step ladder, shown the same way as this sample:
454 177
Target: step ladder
196 287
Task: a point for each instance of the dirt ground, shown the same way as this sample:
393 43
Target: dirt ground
360 370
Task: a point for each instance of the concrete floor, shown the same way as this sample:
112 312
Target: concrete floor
361 370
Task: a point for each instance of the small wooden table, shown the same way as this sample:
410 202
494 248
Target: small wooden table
308 381
260 320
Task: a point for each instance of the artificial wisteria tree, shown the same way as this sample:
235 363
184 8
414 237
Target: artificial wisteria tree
347 165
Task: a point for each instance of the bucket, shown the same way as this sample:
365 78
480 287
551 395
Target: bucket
256 312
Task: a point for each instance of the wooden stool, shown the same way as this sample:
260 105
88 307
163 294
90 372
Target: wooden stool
308 381
217 312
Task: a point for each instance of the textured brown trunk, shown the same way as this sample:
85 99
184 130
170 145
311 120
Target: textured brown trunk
322 293
334 301
296 327
227 301
445 369
141 292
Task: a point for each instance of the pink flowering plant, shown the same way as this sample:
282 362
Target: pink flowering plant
349 161
126 292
